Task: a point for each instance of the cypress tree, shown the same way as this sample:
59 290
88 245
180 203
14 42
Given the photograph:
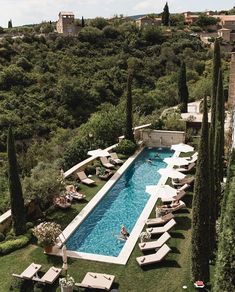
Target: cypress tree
219 143
166 15
129 131
225 269
183 88
10 23
83 22
200 216
212 206
15 189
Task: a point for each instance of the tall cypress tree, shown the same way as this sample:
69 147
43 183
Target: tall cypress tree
200 216
17 201
83 22
212 206
219 142
129 131
183 88
166 15
10 23
224 279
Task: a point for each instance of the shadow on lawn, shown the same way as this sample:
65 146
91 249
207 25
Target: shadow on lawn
177 235
183 223
164 264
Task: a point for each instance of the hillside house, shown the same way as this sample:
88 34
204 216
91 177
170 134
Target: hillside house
66 24
148 21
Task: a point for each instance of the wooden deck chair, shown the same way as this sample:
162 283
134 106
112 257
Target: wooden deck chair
49 277
97 281
160 220
84 179
105 163
154 258
188 169
158 230
156 243
29 272
115 159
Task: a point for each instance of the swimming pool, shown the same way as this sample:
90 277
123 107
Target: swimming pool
122 204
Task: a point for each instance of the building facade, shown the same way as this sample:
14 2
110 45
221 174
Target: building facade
66 24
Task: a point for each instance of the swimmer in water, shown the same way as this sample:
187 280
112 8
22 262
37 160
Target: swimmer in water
124 233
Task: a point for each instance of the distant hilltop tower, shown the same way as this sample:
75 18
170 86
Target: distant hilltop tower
66 24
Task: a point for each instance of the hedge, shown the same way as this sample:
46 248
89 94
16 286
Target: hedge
14 244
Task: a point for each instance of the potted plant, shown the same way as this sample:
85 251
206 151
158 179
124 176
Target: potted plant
47 234
67 284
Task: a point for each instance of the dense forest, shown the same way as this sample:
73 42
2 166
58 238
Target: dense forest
65 95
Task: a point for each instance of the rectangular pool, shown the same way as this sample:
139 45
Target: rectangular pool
122 204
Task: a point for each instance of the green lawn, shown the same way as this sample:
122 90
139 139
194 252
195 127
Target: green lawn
170 275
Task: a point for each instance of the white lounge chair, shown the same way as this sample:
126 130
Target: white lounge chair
106 163
97 281
192 158
161 229
84 179
174 208
188 168
181 182
154 258
49 277
183 188
179 195
156 243
160 220
72 192
29 272
114 158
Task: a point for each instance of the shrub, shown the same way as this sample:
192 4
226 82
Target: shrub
14 244
90 169
47 233
126 147
29 225
2 237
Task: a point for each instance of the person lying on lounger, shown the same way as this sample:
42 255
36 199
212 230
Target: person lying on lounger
173 204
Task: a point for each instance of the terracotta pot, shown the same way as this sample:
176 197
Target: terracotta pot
66 288
48 248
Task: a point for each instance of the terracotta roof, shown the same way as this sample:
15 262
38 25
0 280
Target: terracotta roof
225 17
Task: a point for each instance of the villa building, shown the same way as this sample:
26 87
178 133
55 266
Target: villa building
148 21
66 24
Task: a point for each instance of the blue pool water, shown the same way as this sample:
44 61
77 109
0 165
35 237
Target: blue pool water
122 204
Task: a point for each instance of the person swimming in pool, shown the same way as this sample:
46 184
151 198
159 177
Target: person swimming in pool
124 233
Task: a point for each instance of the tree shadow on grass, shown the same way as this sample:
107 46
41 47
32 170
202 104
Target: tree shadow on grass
164 264
177 235
188 199
183 223
175 250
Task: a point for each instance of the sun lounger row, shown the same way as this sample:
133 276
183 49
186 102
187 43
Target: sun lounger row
144 246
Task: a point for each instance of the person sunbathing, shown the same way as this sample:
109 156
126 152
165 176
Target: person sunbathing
173 204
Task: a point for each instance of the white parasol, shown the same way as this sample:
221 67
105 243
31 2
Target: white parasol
98 153
181 147
172 173
179 161
165 192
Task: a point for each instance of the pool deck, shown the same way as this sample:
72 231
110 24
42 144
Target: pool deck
132 239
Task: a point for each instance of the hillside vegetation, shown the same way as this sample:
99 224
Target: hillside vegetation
55 91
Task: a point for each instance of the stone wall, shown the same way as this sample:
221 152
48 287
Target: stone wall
160 138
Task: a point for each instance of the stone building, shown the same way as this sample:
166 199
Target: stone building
66 24
148 21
